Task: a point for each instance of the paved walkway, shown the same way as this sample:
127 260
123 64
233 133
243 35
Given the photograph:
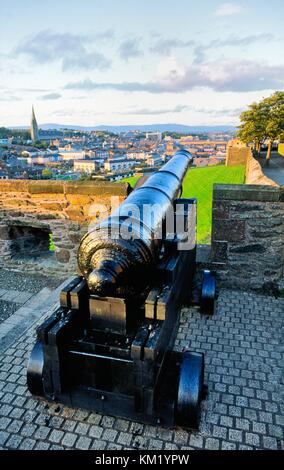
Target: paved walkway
275 168
243 410
17 288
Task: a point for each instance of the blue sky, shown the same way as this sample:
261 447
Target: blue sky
93 62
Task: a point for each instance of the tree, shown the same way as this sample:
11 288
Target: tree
263 121
46 173
275 119
252 128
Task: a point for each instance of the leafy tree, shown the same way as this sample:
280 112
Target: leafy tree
275 119
263 121
46 173
252 128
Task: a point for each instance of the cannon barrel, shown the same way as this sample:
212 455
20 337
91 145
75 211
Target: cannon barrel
119 250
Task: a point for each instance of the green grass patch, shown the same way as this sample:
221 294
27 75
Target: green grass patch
198 183
131 180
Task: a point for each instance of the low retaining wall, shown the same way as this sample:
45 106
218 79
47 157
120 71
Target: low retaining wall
241 155
254 174
248 236
64 209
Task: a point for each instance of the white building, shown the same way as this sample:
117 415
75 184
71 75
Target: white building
154 159
71 155
136 154
119 164
86 166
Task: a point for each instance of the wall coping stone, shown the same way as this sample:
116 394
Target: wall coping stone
63 187
248 192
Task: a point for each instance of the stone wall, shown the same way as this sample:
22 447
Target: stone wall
237 155
254 174
242 155
64 209
248 236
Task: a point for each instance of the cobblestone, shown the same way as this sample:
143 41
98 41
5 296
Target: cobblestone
69 439
242 410
83 443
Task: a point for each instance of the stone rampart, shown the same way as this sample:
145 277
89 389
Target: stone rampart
31 210
248 236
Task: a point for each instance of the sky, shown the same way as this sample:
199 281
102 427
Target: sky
113 62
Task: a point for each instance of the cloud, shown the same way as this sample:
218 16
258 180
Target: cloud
150 111
233 112
74 51
165 46
229 9
51 96
219 75
89 85
6 97
130 49
231 41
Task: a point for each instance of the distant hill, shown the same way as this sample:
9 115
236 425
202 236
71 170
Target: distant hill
143 128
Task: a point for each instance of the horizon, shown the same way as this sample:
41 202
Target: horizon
57 124
138 65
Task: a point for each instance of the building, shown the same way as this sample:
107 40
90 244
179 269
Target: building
154 159
86 166
50 135
34 127
154 136
3 175
66 155
6 142
119 164
39 157
136 154
170 148
102 153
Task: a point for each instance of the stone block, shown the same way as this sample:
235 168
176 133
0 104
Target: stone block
228 230
248 248
219 251
45 187
10 186
53 206
63 256
78 199
75 237
4 232
75 213
246 192
221 209
95 188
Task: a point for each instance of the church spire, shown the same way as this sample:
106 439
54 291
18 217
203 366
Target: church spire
34 126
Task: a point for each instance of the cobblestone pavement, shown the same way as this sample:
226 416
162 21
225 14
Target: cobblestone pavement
17 288
243 410
23 282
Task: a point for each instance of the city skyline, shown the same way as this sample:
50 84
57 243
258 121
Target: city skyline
120 64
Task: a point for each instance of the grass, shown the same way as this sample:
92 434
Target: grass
198 183
131 180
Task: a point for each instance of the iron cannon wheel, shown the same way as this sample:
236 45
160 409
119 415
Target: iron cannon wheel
208 294
190 390
35 370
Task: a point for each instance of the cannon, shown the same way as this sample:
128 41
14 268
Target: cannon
109 345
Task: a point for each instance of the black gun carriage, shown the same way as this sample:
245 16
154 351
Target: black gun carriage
109 345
